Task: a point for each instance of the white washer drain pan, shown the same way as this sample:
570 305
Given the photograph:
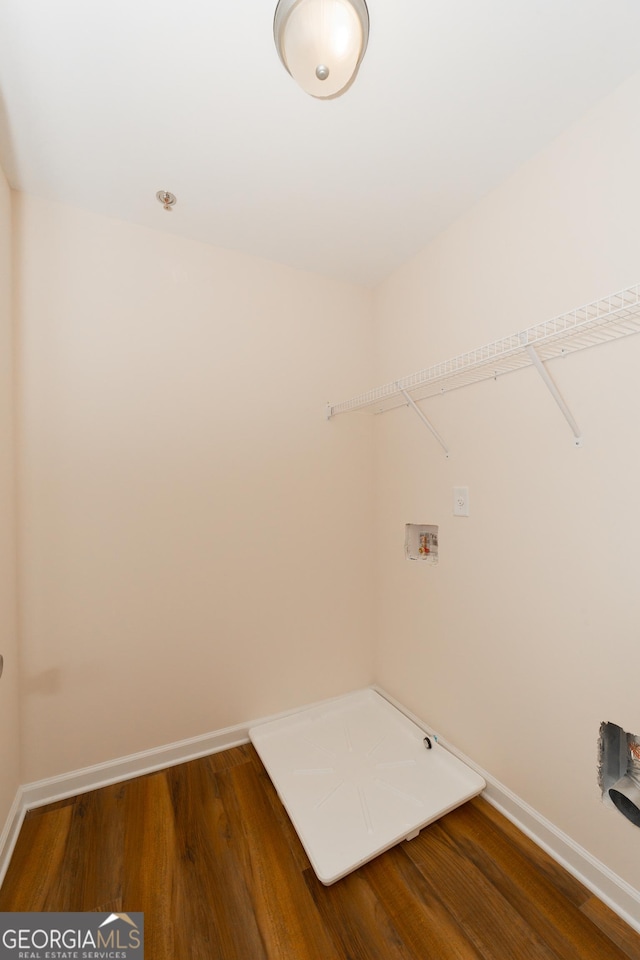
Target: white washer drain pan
355 777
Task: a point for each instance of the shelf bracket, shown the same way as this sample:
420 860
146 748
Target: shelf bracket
426 421
555 393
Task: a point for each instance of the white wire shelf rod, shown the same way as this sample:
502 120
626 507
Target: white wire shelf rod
619 311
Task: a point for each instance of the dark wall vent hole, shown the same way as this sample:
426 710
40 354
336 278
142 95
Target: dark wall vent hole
619 770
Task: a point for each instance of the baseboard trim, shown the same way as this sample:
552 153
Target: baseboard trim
595 875
41 792
11 829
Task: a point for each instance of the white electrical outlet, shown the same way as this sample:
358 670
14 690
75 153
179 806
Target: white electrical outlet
461 501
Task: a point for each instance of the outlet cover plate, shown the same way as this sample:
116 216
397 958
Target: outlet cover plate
461 501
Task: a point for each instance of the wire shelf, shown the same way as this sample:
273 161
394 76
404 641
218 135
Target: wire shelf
610 318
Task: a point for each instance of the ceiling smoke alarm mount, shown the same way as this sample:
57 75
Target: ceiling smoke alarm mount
166 199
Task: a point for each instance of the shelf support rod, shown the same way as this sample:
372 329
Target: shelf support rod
427 422
555 393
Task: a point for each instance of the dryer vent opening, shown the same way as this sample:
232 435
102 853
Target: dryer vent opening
619 770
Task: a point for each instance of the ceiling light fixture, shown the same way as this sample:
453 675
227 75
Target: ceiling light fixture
322 42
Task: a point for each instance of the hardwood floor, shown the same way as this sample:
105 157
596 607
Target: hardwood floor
207 852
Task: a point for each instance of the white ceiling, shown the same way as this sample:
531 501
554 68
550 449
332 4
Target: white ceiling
103 104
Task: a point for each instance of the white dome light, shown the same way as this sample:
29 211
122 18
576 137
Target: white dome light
322 42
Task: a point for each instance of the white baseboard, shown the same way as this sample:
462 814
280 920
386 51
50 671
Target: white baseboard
41 792
596 876
9 835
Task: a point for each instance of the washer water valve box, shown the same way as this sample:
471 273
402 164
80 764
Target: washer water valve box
421 542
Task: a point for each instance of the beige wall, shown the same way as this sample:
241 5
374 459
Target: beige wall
526 635
191 546
9 726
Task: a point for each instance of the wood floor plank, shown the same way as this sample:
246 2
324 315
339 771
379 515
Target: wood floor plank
356 919
425 926
224 759
505 860
150 859
613 927
384 912
217 918
37 862
289 922
284 822
350 911
557 876
93 852
488 919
